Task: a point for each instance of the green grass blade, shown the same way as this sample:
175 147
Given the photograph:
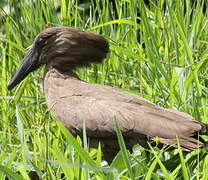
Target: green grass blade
10 173
124 151
183 163
83 154
164 170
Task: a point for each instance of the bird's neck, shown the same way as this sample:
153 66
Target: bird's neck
60 74
58 84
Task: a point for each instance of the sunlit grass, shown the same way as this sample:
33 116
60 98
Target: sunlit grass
158 51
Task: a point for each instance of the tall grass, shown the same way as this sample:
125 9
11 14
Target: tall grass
158 51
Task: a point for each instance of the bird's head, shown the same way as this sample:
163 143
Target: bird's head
62 48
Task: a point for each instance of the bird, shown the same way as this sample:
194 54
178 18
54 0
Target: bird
77 103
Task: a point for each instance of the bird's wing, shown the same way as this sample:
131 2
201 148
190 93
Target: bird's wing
100 107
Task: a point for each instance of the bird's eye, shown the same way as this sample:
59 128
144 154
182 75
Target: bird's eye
40 40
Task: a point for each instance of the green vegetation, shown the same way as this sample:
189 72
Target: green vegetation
159 51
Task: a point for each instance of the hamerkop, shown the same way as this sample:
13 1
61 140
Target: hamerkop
76 102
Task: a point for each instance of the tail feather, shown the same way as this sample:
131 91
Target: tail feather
187 144
204 129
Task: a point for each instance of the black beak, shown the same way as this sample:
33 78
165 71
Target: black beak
30 63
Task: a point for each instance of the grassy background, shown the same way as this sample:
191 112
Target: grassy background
158 51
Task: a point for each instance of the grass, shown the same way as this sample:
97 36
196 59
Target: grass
158 51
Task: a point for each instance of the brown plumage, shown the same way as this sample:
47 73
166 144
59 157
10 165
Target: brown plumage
74 101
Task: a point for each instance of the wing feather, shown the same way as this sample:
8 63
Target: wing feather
100 107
